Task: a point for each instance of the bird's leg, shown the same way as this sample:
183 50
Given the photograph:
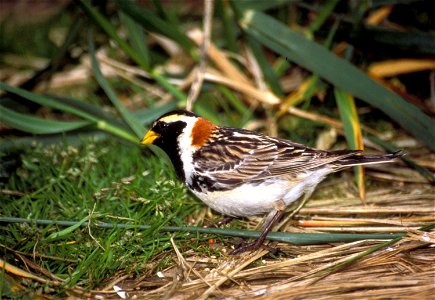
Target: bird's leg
270 221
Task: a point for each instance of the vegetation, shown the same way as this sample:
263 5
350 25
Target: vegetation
87 212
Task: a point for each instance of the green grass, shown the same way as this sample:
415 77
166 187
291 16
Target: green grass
117 182
110 182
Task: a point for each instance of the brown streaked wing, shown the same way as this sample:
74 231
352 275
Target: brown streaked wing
237 156
296 160
235 159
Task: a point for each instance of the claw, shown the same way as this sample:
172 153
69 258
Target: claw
271 219
247 247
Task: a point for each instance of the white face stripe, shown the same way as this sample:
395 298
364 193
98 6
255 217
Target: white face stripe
185 143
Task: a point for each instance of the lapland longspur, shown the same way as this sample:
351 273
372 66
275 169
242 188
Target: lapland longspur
242 173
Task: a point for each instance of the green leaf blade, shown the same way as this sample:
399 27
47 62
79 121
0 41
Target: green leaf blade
73 109
137 38
339 72
101 21
352 131
45 101
35 125
128 117
153 23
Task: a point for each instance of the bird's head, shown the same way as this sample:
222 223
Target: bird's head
179 133
179 129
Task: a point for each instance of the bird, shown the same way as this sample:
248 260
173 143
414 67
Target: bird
241 173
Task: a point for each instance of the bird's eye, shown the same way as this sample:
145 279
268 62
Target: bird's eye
160 126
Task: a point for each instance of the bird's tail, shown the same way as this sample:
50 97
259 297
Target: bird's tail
359 159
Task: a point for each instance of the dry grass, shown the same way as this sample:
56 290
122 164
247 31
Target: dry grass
398 200
402 270
401 201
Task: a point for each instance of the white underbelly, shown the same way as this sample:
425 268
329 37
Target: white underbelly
250 199
246 200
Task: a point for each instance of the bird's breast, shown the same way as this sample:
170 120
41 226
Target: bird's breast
245 200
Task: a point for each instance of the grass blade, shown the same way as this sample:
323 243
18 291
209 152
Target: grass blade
111 31
92 109
417 42
228 26
35 125
352 131
304 92
374 249
339 72
42 100
45 101
326 11
153 23
18 272
75 138
66 231
137 38
266 68
285 237
123 111
263 5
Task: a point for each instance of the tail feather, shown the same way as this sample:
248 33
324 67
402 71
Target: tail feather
359 159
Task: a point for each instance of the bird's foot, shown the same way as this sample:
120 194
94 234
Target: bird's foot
255 245
222 222
246 247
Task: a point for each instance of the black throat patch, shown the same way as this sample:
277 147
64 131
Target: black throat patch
168 143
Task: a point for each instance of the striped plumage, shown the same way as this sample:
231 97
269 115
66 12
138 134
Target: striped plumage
242 173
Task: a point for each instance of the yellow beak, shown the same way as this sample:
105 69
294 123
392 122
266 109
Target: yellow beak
149 137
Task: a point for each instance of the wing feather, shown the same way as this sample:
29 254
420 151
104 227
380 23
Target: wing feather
233 160
237 156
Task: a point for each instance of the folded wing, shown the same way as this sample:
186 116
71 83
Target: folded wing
237 157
